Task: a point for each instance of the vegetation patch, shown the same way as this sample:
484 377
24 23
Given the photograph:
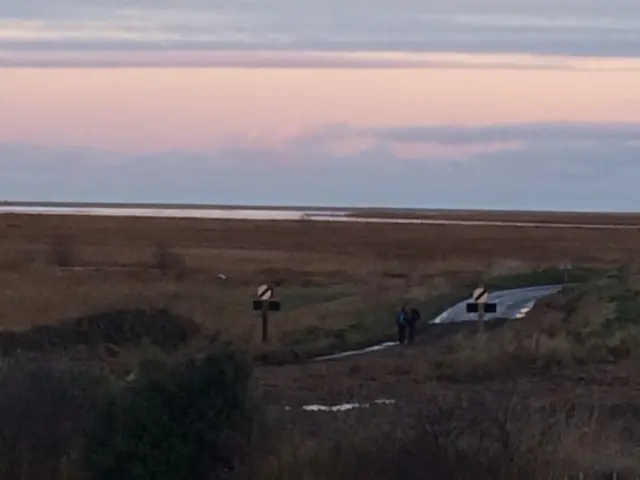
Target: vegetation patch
43 411
583 325
178 419
373 325
186 421
543 276
497 437
121 328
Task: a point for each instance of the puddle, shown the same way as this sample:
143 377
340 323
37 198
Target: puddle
344 406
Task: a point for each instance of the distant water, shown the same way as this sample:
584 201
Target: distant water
277 214
226 213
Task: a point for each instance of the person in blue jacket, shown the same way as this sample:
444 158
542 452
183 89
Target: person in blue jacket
412 321
402 322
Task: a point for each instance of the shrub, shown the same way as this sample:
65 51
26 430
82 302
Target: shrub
182 421
121 328
62 254
43 410
167 261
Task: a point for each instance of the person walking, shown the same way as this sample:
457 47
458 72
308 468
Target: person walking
413 317
402 321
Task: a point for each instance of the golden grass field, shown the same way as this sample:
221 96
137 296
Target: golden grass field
340 284
583 218
328 275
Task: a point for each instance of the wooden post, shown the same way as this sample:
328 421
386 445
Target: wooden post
265 321
264 304
480 317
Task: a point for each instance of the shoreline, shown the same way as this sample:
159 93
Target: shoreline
361 210
477 218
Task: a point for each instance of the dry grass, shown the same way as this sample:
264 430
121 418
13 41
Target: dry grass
359 260
313 244
555 395
586 328
460 435
339 284
579 218
327 275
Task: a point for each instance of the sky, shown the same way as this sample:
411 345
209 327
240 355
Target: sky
509 104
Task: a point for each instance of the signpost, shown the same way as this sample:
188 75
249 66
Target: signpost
265 292
480 295
265 304
480 305
566 266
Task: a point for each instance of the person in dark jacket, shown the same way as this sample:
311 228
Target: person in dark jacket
413 317
402 322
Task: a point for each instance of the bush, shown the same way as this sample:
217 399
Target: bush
186 421
43 411
62 254
121 328
167 261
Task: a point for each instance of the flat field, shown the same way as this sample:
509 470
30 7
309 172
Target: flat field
326 274
340 284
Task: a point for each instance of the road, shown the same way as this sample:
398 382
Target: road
513 303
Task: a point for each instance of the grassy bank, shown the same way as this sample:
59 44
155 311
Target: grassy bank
96 313
316 320
549 396
375 324
541 276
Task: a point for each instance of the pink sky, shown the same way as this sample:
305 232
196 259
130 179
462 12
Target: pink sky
472 103
198 109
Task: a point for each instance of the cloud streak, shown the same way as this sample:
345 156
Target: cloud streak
534 132
543 172
297 60
509 135
544 27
